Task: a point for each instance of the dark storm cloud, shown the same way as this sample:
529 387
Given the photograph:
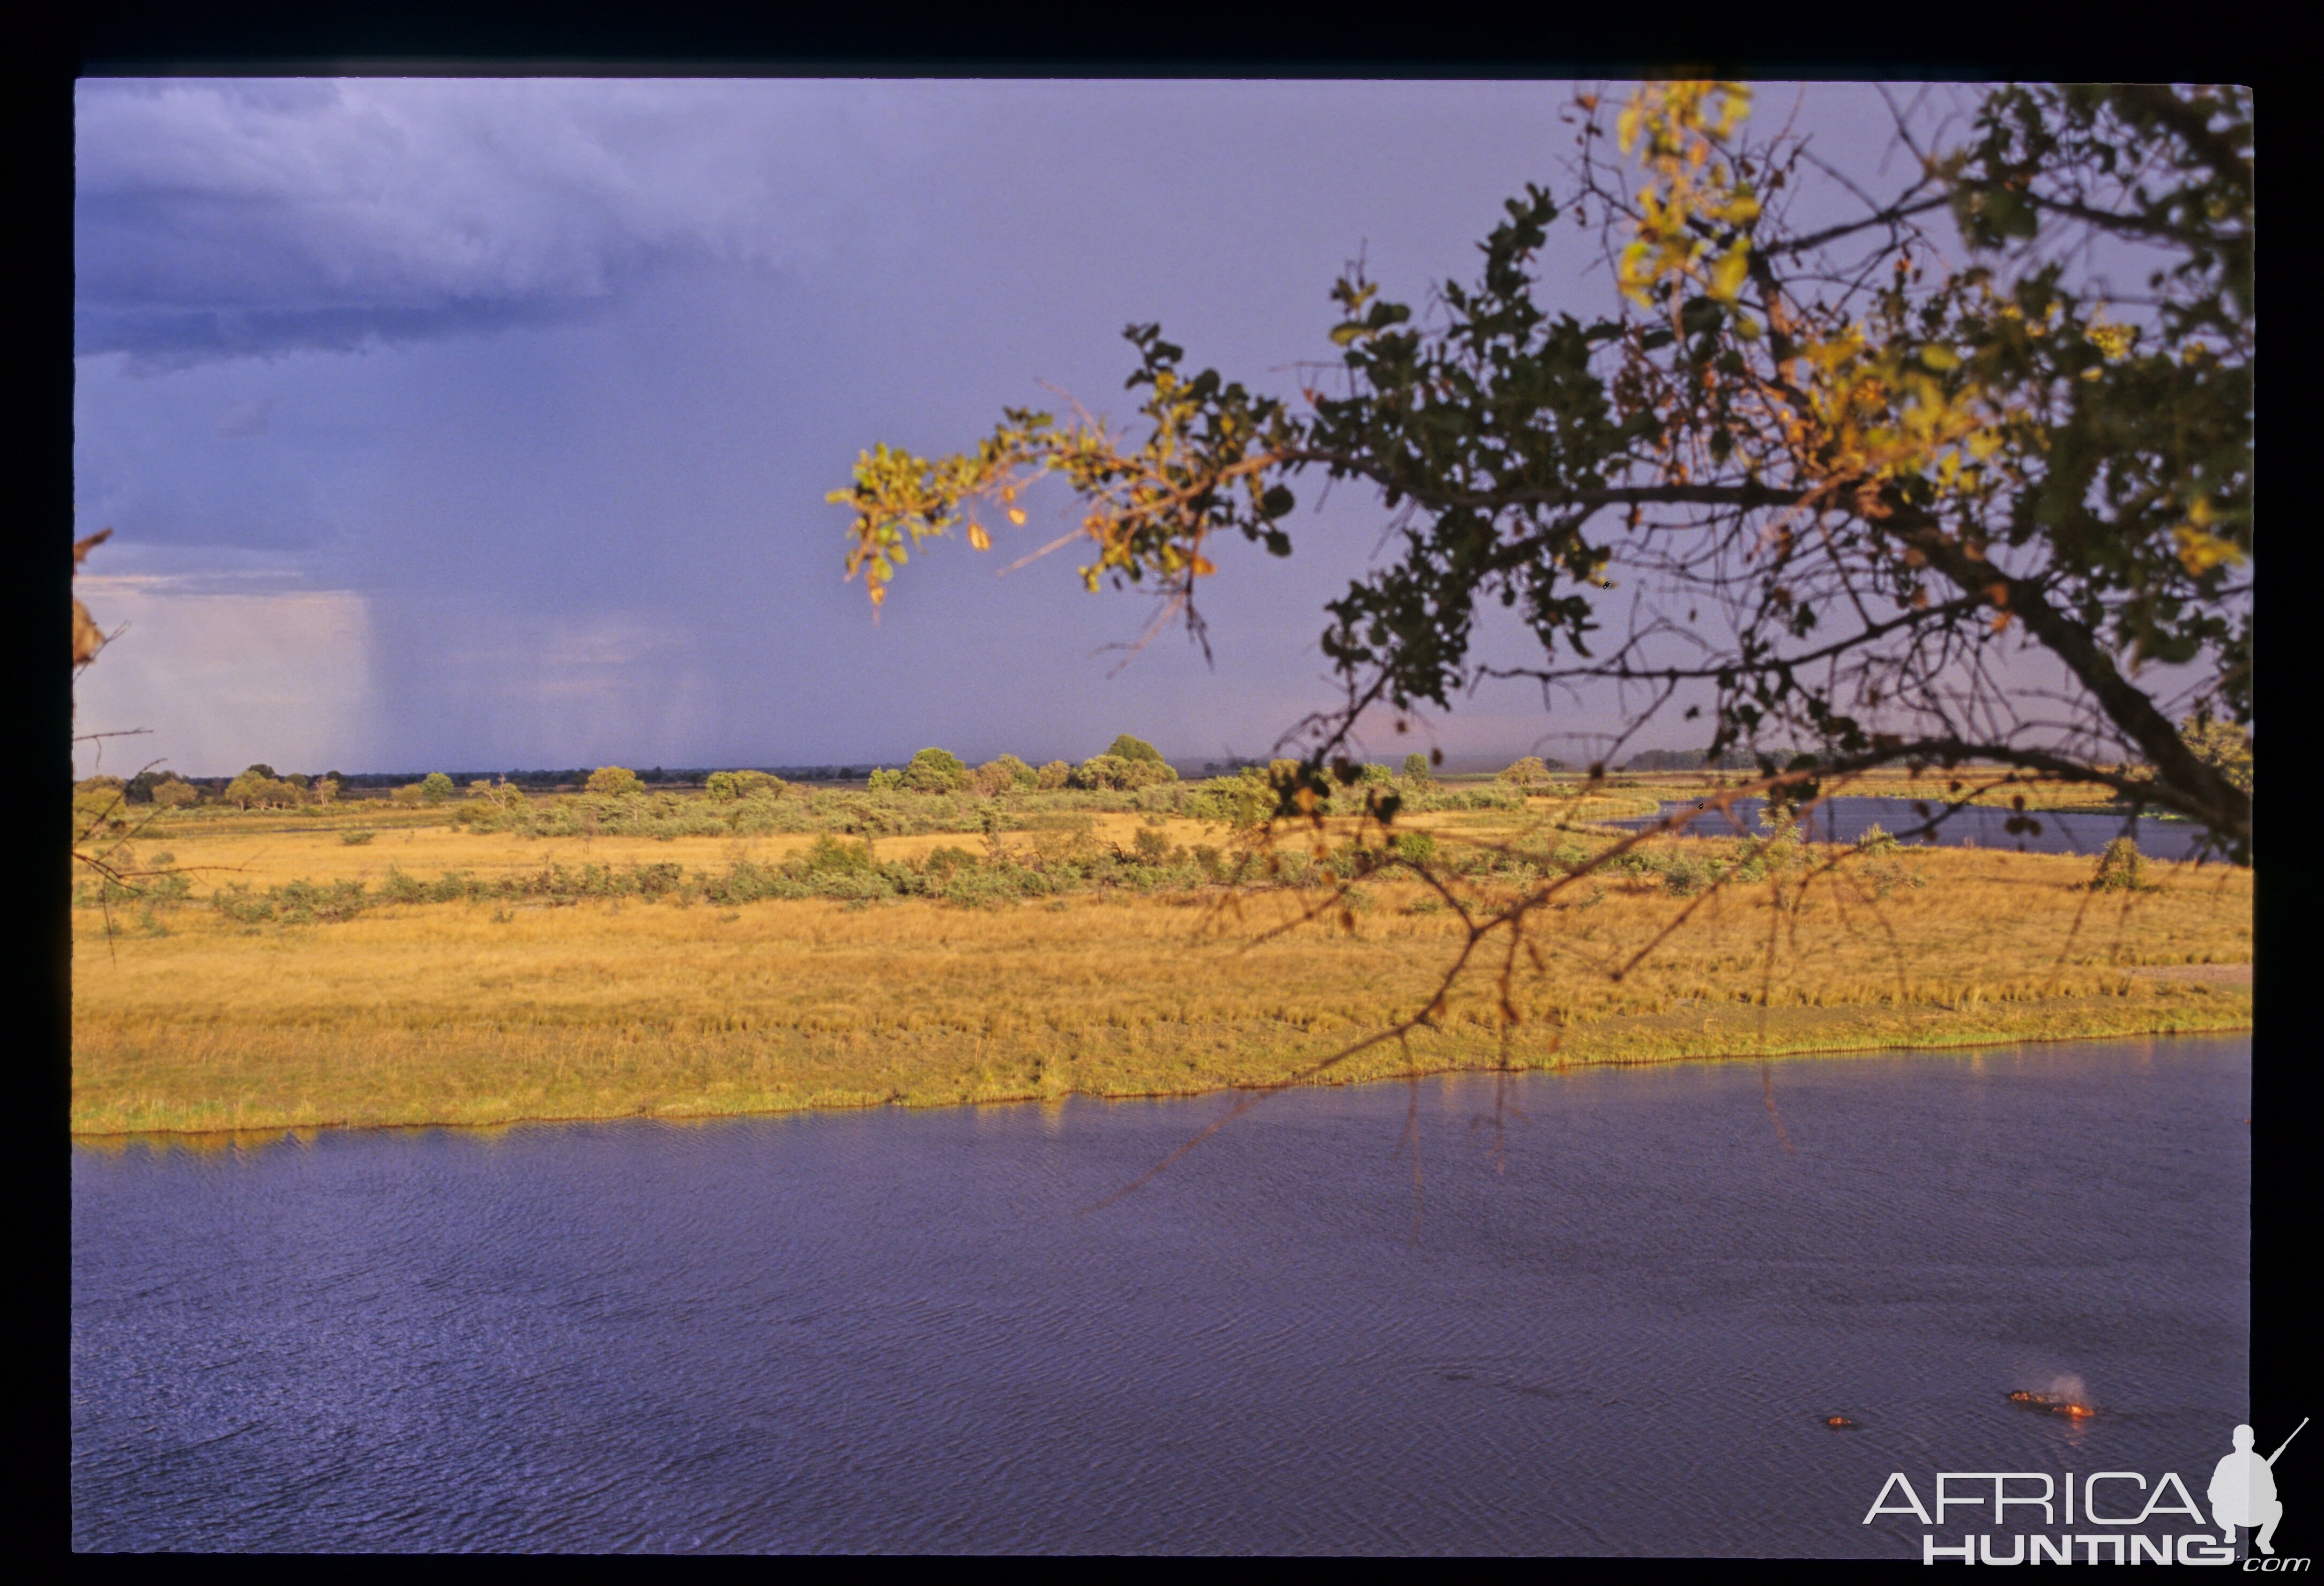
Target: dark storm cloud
614 342
217 219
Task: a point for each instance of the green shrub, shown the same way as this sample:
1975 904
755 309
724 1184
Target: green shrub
1126 747
1005 775
357 839
829 856
942 863
614 779
1052 776
1101 770
251 791
1685 873
434 787
721 785
935 770
2121 869
885 780
1147 766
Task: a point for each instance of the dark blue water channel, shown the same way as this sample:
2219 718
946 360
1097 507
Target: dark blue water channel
1610 1320
1844 819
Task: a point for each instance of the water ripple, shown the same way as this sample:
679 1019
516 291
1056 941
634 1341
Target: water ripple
894 1331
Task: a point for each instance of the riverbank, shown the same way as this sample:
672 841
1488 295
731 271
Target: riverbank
479 1013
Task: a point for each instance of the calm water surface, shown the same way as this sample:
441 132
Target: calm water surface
1610 1323
1844 819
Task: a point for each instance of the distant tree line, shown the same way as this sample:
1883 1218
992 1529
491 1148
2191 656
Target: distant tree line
1126 765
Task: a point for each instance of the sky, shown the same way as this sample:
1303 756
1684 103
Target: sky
476 424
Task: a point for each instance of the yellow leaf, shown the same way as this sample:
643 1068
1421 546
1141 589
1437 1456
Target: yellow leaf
1726 275
1016 515
978 538
1202 567
2199 552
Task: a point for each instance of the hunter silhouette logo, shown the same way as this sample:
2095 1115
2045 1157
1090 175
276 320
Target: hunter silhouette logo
2243 1489
2101 1517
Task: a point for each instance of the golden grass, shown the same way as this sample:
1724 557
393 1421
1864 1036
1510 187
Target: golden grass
234 854
476 1014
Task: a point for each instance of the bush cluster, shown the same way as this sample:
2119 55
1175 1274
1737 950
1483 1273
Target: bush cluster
2121 868
1530 769
1065 859
258 788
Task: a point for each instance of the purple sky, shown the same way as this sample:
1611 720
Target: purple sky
486 424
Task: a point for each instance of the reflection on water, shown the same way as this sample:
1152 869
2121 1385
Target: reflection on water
1844 819
1623 1326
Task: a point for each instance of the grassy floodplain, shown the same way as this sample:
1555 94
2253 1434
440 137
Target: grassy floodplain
1032 948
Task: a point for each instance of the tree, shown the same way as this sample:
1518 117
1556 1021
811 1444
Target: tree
253 790
1126 747
1881 494
102 829
88 638
1668 760
1530 769
1145 764
1003 775
2225 747
935 770
434 787
1115 771
1103 772
1417 770
614 779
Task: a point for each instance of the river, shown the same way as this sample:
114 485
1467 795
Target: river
1610 1315
2053 831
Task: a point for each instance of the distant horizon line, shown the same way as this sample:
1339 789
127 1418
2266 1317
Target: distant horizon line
856 769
